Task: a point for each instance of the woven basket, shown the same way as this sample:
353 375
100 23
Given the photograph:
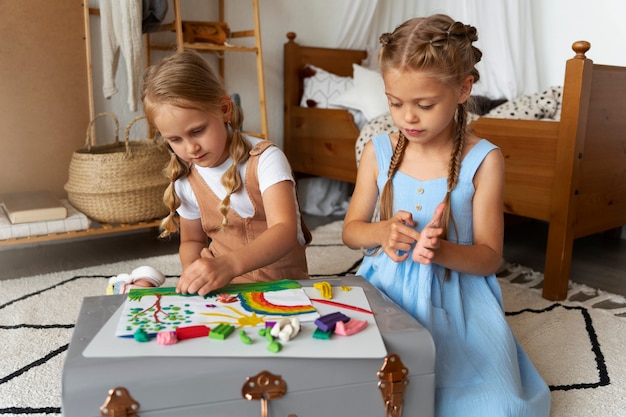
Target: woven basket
120 182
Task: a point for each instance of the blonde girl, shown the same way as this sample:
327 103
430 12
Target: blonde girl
437 242
232 197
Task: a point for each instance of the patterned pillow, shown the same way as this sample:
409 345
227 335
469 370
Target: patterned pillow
544 105
321 86
381 124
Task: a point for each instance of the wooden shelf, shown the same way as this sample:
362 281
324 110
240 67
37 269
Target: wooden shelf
209 47
95 229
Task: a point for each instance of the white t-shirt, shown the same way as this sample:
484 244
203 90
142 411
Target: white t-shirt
273 168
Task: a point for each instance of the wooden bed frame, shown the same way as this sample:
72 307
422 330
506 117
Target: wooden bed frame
570 173
316 141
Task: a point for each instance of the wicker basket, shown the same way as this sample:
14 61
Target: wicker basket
120 182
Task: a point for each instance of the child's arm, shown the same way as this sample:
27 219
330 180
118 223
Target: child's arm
485 255
208 274
193 239
393 235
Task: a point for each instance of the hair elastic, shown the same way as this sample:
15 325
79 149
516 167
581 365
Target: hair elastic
384 39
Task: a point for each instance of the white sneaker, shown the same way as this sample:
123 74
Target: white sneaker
122 283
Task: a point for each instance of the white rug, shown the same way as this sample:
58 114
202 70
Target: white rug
576 345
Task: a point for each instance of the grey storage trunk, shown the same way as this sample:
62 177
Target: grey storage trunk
289 386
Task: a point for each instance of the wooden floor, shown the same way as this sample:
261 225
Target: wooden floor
598 261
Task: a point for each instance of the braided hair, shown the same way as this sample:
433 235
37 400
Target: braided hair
442 47
185 80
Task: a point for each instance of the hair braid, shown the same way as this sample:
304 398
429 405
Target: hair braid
239 150
175 169
458 145
454 167
386 197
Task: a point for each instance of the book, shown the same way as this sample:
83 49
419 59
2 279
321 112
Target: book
32 206
74 221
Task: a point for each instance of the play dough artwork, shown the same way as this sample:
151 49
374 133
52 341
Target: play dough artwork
181 323
241 305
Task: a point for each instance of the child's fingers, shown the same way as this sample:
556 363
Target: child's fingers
181 286
205 289
396 255
405 217
432 233
438 215
433 243
188 282
422 256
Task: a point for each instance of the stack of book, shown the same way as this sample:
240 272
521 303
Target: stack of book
37 213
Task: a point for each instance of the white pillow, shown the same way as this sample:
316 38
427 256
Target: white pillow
322 87
367 94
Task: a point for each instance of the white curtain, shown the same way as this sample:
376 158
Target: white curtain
505 36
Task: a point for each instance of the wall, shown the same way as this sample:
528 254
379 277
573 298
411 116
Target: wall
277 18
558 23
44 99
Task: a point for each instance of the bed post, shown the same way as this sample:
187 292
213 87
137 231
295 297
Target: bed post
569 156
291 93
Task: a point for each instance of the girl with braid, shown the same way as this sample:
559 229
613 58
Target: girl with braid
436 243
232 190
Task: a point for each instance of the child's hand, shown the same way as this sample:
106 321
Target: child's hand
203 276
400 236
429 239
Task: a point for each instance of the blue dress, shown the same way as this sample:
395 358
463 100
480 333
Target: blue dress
480 369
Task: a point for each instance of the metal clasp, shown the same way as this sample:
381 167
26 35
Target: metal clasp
392 384
264 386
119 403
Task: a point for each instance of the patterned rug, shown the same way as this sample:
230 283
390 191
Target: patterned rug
576 344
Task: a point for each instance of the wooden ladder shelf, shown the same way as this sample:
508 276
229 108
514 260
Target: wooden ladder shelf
183 42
